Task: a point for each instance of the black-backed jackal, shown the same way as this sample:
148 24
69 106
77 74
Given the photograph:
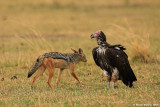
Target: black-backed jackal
54 60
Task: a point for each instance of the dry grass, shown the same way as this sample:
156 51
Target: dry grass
29 29
139 44
141 50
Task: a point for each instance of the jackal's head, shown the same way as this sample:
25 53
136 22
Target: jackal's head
81 55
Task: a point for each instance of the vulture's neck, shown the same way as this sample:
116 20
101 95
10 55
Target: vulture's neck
102 43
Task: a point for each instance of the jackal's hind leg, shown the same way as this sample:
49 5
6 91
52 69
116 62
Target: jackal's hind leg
51 71
40 72
59 77
51 67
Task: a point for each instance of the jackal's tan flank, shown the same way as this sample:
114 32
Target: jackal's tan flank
54 60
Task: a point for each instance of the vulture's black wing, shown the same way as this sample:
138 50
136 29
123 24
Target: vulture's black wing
94 53
118 59
118 47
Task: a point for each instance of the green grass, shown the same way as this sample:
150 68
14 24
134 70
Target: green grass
31 28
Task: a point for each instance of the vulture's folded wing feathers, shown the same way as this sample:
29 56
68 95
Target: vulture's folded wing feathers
119 60
94 53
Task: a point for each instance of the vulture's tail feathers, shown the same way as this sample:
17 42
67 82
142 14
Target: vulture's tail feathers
129 76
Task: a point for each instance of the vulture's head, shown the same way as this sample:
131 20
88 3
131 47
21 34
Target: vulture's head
99 35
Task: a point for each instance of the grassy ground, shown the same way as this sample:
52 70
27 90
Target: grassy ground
30 28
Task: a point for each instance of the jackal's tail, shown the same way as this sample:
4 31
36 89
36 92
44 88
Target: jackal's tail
35 66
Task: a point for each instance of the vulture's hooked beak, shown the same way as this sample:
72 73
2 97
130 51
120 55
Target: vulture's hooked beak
92 36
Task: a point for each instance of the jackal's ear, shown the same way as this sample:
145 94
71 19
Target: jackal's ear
80 51
74 50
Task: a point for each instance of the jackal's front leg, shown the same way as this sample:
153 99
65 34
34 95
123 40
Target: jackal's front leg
74 75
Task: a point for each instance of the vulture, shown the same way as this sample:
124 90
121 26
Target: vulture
113 61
